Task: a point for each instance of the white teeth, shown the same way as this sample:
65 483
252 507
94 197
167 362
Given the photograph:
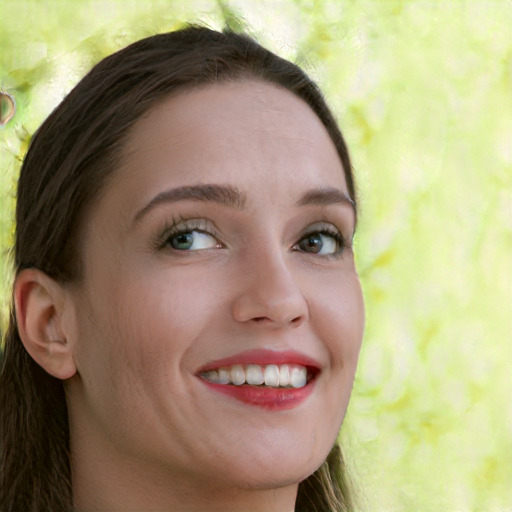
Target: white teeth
212 376
284 375
271 375
237 375
298 377
254 375
224 377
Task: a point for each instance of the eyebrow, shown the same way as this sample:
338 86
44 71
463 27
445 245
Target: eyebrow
325 196
227 195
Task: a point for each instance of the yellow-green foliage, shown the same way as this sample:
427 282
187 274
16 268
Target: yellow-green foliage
423 91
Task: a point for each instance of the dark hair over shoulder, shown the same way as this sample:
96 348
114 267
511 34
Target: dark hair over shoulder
70 158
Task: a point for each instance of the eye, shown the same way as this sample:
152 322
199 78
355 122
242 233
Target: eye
188 235
321 242
192 240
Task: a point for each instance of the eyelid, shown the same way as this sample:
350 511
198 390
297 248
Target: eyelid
329 229
184 224
322 226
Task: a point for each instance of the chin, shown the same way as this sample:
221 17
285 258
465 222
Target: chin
273 470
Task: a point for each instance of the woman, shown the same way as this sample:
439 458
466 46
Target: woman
187 316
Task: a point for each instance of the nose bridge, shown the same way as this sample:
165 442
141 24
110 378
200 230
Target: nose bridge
271 292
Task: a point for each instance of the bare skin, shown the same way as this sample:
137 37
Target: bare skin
147 433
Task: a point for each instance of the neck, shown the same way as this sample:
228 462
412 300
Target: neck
140 493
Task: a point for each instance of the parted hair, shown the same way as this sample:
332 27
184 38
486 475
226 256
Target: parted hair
69 159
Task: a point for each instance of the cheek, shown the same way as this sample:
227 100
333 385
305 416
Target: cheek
156 321
132 353
340 313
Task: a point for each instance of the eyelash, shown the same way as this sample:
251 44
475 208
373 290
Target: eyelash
332 232
182 226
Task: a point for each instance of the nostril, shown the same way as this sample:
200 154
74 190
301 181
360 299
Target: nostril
296 322
257 308
261 319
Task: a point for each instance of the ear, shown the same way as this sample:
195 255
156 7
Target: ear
40 306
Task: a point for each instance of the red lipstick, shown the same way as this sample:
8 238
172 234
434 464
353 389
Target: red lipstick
264 357
273 396
279 399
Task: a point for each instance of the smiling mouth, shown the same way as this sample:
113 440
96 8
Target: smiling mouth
269 379
289 376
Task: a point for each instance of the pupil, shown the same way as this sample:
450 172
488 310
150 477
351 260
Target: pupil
183 241
311 243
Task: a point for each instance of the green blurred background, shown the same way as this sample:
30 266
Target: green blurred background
423 92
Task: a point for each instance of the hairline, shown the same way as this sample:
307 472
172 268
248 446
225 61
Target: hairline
123 150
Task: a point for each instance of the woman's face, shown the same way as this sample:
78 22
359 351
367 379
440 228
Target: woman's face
219 255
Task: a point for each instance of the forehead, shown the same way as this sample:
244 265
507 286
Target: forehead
245 133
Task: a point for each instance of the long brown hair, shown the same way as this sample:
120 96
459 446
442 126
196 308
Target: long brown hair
68 161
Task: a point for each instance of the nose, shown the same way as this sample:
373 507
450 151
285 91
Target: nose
270 294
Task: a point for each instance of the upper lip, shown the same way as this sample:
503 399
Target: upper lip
263 357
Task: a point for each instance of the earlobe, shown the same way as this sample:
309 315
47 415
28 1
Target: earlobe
39 303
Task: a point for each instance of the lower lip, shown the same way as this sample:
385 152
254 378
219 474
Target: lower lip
277 399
